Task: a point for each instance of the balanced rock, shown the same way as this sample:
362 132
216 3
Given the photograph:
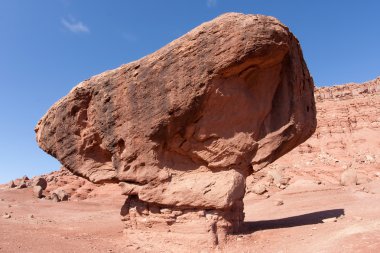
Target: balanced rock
40 181
182 128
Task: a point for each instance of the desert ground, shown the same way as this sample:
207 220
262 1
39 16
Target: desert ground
313 218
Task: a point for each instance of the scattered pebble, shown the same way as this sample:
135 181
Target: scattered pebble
279 202
364 189
259 189
31 216
6 216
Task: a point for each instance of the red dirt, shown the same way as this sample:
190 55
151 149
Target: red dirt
93 225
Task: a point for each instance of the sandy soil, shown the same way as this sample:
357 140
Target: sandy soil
93 225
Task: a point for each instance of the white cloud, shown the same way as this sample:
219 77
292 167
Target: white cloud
211 3
74 26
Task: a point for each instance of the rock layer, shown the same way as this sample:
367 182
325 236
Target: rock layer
347 136
182 128
348 127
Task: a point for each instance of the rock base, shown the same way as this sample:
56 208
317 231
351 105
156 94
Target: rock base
152 222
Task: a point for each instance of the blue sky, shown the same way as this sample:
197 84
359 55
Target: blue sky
48 46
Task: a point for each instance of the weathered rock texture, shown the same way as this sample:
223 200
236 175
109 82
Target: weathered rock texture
182 128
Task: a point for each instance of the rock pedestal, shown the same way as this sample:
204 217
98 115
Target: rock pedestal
182 128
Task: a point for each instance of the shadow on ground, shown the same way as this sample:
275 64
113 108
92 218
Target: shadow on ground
293 221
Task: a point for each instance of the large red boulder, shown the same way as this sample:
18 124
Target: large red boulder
182 128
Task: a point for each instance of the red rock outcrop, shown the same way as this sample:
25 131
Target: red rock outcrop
182 128
347 137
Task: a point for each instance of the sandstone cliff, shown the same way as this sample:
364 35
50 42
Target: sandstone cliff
347 136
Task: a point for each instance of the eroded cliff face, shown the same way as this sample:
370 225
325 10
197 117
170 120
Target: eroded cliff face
348 124
182 128
347 137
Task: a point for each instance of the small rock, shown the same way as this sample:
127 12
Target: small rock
37 191
165 211
11 184
40 181
275 175
282 187
329 220
21 185
369 158
279 202
177 212
25 178
284 180
1 199
259 189
314 228
6 216
31 216
54 197
60 194
364 189
277 178
377 174
201 213
349 177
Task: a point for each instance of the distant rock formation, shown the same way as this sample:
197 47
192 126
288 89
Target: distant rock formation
348 124
347 136
182 128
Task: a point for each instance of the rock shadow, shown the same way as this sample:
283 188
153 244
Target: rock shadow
293 221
